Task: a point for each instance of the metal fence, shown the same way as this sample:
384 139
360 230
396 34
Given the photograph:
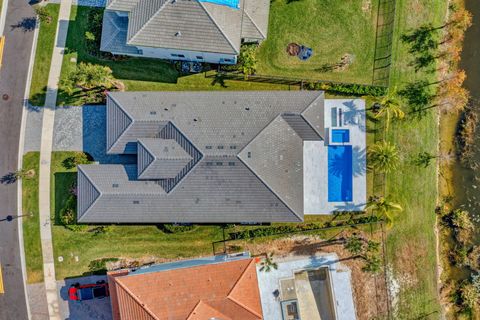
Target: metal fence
384 42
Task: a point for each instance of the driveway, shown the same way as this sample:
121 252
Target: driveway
19 31
83 310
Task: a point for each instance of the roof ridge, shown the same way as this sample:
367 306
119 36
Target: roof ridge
218 27
139 141
254 24
229 295
200 302
147 22
130 293
256 175
129 116
79 169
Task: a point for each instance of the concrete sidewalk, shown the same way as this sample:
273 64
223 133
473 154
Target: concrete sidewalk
45 160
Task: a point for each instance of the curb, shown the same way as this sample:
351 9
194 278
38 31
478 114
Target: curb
3 16
21 147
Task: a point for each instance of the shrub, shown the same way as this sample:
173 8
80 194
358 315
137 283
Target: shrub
347 88
75 160
89 36
354 245
469 295
247 60
176 228
67 217
99 266
43 15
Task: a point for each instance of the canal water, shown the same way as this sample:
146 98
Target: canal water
467 180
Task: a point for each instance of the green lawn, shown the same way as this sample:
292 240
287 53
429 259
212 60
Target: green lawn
43 57
31 225
138 73
331 28
411 242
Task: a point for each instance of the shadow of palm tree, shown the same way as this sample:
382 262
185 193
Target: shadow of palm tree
26 24
354 115
9 178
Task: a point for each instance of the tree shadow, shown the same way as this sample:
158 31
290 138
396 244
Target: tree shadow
9 178
26 24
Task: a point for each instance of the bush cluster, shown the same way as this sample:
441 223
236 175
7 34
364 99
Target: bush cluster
274 230
176 228
347 88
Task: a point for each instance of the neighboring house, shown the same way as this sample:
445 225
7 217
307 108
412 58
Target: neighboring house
219 287
225 157
191 30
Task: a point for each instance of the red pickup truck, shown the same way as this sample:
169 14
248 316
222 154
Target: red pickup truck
79 292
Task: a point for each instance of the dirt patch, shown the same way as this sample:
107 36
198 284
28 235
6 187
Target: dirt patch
367 6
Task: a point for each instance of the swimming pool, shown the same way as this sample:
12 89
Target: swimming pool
340 175
340 135
229 3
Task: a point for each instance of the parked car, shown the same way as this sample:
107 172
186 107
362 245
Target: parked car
79 292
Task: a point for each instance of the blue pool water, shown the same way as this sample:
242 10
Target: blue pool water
340 175
229 3
340 135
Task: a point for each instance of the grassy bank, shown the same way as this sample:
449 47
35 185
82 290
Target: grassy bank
331 28
43 57
31 224
411 242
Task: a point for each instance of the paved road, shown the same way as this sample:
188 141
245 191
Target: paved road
13 76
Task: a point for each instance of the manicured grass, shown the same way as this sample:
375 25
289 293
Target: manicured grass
43 57
331 28
138 73
31 225
411 242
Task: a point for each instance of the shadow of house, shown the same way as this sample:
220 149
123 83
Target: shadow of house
94 137
63 183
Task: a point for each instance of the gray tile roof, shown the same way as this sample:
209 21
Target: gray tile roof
185 25
255 19
121 5
114 34
245 152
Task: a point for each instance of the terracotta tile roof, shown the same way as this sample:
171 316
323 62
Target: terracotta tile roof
228 291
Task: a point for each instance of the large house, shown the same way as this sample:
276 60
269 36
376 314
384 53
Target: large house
191 30
219 287
226 157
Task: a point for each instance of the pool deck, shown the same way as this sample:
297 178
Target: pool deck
340 279
315 160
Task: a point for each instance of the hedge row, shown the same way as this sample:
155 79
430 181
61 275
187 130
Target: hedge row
277 230
348 89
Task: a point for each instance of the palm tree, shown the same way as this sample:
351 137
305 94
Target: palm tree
423 159
390 108
383 207
268 263
383 156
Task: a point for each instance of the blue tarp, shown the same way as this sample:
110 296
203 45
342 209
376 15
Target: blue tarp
229 3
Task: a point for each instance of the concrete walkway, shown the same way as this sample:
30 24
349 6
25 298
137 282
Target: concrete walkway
45 160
